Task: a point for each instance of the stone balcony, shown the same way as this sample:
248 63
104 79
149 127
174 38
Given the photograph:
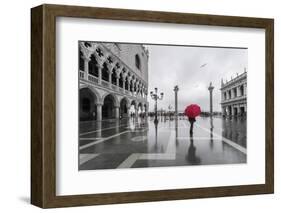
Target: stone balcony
238 98
94 81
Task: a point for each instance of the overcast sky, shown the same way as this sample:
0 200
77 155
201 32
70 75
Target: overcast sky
192 69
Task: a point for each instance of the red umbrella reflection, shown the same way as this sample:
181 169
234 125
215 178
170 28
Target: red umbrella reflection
192 111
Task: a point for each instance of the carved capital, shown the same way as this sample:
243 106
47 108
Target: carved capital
118 74
119 70
86 53
110 67
99 104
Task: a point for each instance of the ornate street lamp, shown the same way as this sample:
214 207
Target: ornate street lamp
156 97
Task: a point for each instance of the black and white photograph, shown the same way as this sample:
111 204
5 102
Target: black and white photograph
147 105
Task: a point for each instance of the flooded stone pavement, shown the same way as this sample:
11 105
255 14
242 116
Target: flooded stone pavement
137 144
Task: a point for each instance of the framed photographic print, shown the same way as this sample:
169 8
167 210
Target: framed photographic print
137 106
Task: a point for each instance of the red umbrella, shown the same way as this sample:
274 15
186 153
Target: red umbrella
192 111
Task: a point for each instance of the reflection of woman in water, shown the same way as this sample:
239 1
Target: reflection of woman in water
191 121
191 153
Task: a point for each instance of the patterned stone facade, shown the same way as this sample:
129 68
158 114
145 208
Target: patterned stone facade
234 96
112 77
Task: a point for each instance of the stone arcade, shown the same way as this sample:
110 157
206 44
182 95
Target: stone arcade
112 78
234 96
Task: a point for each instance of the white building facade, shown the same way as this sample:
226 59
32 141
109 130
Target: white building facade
112 78
234 96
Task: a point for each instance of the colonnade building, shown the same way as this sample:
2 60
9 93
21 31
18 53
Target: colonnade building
234 96
112 78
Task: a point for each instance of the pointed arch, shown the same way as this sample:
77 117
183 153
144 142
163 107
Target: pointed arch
114 98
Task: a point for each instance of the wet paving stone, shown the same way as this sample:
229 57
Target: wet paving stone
144 144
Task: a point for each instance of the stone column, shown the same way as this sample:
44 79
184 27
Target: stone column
140 90
124 82
99 112
232 110
129 83
86 67
110 77
229 94
136 110
146 109
228 110
133 86
100 74
210 88
176 89
117 80
118 72
223 111
117 115
145 93
137 88
238 91
238 110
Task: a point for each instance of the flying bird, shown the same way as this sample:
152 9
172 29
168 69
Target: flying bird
203 65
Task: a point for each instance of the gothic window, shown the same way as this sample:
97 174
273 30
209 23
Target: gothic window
126 84
105 74
114 77
235 92
121 81
242 90
81 61
138 61
93 66
229 94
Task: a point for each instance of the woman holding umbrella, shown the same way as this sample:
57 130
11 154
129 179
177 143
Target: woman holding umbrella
191 112
191 121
